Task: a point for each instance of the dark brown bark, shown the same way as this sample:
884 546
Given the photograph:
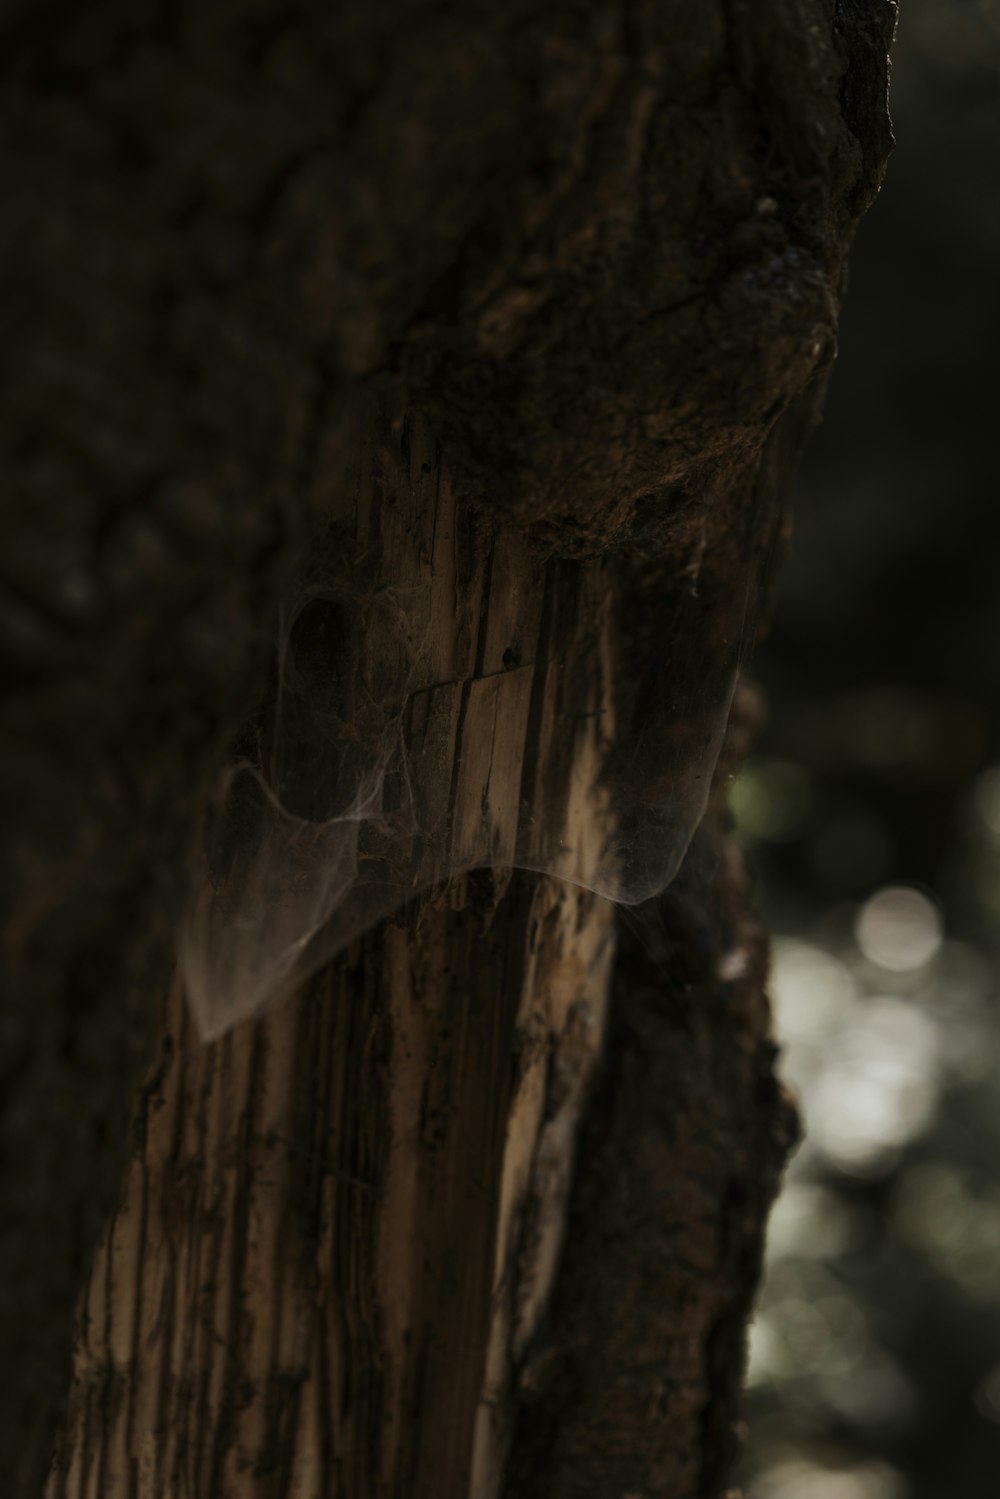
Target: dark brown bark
596 249
635 1381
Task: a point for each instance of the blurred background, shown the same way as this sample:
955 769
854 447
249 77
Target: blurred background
870 813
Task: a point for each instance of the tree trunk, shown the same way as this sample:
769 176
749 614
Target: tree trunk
507 327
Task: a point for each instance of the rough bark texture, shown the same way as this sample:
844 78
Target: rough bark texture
598 249
635 1382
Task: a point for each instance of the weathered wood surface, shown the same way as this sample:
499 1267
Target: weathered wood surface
338 1216
341 1222
597 249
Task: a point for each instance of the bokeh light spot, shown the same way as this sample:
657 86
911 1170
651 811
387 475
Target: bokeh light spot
899 929
806 1480
811 991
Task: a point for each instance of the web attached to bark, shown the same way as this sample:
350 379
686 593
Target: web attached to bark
354 788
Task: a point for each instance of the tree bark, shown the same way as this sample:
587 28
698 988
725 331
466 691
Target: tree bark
533 308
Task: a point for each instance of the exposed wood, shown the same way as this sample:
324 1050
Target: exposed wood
341 1222
592 255
333 1213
